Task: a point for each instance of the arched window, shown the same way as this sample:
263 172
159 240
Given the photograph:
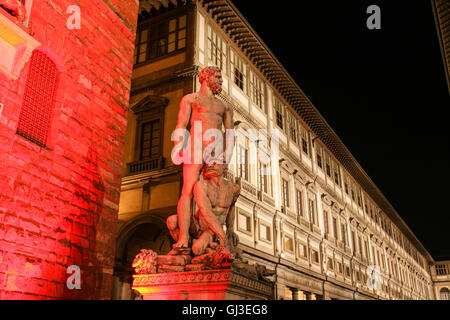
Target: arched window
445 294
37 105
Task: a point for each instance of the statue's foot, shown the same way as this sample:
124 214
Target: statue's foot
182 243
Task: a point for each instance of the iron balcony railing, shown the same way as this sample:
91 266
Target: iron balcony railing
144 165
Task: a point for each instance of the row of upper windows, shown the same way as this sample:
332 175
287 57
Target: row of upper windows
254 87
160 38
242 76
288 123
442 269
328 165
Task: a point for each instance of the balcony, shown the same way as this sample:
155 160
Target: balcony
144 165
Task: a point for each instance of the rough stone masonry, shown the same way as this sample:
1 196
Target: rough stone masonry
58 205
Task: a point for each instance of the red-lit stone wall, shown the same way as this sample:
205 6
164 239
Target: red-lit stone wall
58 206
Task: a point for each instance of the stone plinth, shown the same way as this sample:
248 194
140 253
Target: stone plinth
225 284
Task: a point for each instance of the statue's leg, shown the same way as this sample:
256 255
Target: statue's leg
172 225
191 174
202 243
207 218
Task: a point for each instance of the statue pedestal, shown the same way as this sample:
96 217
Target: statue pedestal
225 284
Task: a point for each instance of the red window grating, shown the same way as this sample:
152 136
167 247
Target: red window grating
34 119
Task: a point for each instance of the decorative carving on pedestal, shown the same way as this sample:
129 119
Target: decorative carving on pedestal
237 282
145 262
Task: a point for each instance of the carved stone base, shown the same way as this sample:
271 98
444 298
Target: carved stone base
225 284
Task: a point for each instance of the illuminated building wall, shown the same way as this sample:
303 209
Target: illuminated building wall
64 95
319 221
440 270
441 12
440 273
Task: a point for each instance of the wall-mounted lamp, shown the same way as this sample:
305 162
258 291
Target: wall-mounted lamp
237 122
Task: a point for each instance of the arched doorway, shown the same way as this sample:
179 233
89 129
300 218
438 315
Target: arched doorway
139 235
445 294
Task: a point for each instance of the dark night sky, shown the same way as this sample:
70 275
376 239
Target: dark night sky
382 91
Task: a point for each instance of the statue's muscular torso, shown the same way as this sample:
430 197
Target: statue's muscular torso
209 111
221 198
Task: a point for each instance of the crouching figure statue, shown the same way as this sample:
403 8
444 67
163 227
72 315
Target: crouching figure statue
215 198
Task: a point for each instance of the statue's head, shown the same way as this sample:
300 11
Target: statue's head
213 78
214 169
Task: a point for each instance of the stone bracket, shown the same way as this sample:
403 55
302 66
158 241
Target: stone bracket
16 46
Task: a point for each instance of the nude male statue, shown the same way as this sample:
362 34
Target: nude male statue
215 198
204 107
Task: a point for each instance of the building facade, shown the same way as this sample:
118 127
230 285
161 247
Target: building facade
441 12
62 131
440 270
440 273
319 220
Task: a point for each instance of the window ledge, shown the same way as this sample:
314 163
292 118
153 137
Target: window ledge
16 45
